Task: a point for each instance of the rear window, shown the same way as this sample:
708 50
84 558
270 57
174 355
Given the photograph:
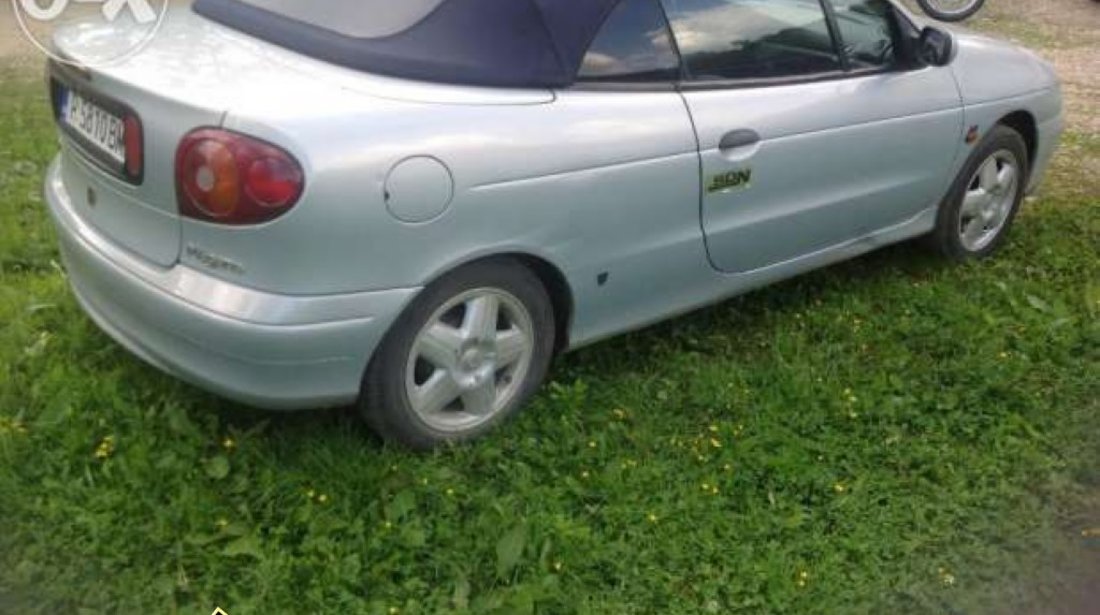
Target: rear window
634 46
360 19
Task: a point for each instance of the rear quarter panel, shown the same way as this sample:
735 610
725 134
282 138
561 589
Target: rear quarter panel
594 182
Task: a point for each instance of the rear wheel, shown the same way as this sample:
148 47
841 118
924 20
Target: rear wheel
466 355
977 214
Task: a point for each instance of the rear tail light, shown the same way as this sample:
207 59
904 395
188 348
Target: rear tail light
229 178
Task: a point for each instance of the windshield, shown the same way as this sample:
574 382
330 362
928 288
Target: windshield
354 18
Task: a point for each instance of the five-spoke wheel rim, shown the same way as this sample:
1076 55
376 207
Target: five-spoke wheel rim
989 199
469 361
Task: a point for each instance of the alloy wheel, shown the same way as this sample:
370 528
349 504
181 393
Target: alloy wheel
989 200
470 360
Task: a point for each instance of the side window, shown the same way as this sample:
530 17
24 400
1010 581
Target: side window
634 45
752 39
869 31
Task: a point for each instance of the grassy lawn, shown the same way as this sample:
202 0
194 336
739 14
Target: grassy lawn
894 433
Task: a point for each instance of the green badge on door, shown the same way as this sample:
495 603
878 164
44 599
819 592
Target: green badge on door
728 181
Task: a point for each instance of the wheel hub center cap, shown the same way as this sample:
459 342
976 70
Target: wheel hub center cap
474 359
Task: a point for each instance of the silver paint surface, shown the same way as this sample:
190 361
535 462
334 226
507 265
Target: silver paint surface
590 182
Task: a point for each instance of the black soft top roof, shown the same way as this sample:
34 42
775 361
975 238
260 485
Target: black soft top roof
506 43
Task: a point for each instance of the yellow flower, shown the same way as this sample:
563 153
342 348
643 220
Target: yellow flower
229 444
557 566
394 610
450 491
728 468
388 525
584 474
803 578
713 429
619 413
310 493
591 444
715 443
652 518
840 487
221 523
105 448
12 426
946 577
322 498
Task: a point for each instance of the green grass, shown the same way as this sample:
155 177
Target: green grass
894 433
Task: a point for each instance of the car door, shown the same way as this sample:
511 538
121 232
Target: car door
815 127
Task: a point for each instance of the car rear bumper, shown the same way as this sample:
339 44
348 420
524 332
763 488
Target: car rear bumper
266 350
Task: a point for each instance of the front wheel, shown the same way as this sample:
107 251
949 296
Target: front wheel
951 10
976 216
466 355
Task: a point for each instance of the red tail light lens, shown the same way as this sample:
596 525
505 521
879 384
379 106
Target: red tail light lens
229 178
134 144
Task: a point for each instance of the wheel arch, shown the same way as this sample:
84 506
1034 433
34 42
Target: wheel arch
561 295
550 275
1024 123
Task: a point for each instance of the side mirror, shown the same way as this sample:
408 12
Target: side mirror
935 47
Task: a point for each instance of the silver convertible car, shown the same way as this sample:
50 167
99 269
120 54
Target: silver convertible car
414 205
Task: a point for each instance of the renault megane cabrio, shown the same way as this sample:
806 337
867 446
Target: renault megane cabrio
414 205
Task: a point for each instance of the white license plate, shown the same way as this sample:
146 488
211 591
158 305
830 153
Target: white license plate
101 128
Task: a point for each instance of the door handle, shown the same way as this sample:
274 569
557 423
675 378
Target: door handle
738 138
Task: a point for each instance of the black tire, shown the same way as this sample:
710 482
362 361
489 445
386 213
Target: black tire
932 8
946 237
384 402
